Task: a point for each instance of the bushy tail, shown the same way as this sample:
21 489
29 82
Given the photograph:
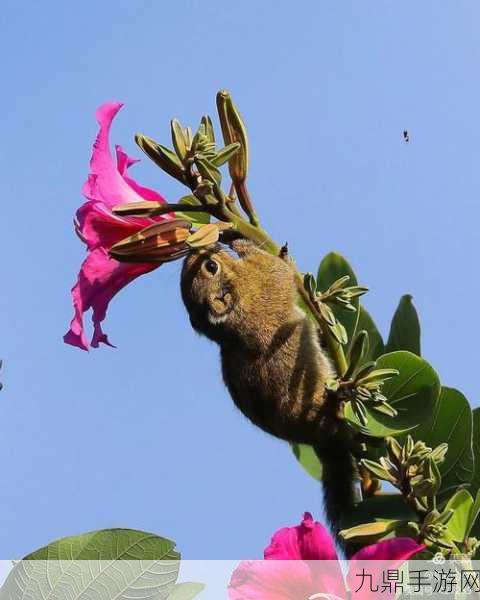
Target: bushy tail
339 476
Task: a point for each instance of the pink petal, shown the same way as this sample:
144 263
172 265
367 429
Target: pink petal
272 580
123 163
308 541
105 183
396 549
100 278
387 554
98 226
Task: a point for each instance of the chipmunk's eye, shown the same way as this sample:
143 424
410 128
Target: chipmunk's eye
211 266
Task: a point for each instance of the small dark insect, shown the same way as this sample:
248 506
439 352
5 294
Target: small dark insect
406 137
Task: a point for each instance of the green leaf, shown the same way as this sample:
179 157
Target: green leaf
385 409
462 504
89 565
208 171
414 394
369 532
451 423
385 506
474 516
378 470
162 156
307 457
206 121
197 218
375 342
405 328
332 268
475 483
309 283
178 139
378 375
360 411
225 154
339 332
186 591
358 349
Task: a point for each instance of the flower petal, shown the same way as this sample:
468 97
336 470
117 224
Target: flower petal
395 549
308 541
98 226
105 183
100 278
272 580
387 554
123 163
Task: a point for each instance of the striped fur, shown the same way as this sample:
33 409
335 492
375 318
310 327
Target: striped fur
272 361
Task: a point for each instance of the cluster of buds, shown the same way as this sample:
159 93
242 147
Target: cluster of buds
362 382
338 294
411 468
195 161
434 529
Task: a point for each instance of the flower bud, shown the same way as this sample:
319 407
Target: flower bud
206 235
160 242
233 130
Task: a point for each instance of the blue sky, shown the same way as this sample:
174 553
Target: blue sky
145 436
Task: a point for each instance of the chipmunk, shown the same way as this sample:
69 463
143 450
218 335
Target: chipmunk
273 363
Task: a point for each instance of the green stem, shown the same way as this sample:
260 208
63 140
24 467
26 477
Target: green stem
246 202
334 347
254 233
186 208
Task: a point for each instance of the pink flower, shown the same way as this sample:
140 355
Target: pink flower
100 276
301 576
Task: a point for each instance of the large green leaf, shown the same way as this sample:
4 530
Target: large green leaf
385 506
92 566
413 393
307 457
375 342
332 267
451 423
186 591
405 328
475 483
462 505
473 520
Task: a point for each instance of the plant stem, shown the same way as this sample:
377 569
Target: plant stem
335 348
246 202
186 208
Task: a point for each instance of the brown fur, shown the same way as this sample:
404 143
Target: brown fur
272 360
